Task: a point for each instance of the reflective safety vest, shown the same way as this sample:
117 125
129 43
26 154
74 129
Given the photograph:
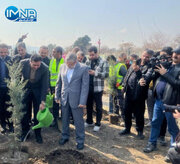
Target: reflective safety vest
112 75
53 72
119 78
112 70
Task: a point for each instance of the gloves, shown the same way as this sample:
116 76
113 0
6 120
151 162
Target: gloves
117 85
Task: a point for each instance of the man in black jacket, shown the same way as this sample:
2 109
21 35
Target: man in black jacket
21 39
166 91
22 53
174 152
37 75
4 97
43 52
136 87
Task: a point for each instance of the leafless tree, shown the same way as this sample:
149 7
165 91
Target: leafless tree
157 41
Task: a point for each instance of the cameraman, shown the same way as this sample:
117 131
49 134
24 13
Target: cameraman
166 58
174 152
166 91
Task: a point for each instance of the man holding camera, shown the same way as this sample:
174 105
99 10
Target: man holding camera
174 152
166 92
136 87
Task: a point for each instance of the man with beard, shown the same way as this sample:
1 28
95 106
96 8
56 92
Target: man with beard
72 91
166 91
81 57
98 71
136 87
22 53
4 97
43 52
37 75
54 68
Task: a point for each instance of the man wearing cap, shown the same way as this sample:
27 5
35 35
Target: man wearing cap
166 91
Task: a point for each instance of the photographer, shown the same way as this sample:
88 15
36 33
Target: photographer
136 87
174 152
166 91
165 58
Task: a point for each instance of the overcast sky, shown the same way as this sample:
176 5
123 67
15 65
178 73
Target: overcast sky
113 21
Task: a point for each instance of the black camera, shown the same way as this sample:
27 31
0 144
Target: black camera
171 108
159 60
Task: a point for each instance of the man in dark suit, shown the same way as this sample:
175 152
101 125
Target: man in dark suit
37 75
4 97
72 91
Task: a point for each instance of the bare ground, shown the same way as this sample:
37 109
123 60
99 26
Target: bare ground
105 146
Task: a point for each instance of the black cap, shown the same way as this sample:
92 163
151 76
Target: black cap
177 50
168 50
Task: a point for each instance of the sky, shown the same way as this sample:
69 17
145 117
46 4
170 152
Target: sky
61 22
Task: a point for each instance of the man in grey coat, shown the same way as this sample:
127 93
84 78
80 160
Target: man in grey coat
71 91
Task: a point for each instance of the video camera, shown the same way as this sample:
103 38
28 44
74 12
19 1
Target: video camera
171 108
158 60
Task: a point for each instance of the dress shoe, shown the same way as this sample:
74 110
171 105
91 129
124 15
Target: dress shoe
124 132
80 146
54 124
140 136
162 141
11 128
39 139
149 148
63 141
4 131
3 128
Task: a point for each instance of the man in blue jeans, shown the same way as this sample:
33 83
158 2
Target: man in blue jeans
166 92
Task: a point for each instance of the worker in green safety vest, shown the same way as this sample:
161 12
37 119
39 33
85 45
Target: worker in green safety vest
120 72
111 59
54 67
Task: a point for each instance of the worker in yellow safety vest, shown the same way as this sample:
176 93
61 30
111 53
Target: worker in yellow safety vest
121 71
111 59
54 67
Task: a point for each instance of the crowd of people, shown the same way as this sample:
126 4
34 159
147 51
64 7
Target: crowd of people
77 82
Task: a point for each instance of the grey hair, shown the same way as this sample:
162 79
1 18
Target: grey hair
81 53
44 47
71 57
4 46
122 55
21 44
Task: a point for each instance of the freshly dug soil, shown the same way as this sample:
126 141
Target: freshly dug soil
103 147
69 157
3 139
